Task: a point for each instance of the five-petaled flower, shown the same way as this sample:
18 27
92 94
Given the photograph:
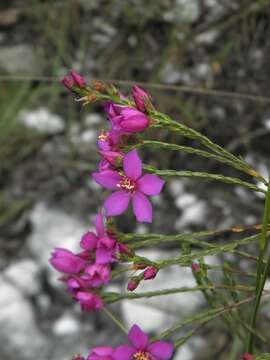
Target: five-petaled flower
141 349
130 185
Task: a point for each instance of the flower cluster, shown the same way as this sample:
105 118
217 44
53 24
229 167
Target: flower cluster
86 271
119 170
140 348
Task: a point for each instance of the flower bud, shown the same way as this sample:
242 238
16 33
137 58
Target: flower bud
65 261
78 357
132 285
68 82
132 120
113 157
140 97
78 79
247 356
195 267
150 273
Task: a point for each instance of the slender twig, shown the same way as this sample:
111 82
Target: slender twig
115 320
261 274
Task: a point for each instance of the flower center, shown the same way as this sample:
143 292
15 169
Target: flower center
142 355
126 184
103 136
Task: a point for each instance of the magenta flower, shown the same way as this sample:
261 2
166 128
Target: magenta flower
142 349
65 261
104 246
130 185
140 97
88 301
97 274
108 140
150 273
101 353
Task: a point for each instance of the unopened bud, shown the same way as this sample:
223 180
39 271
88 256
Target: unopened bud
150 273
132 285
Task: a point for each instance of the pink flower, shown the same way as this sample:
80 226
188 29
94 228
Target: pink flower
97 274
150 273
108 140
65 261
141 348
130 185
140 97
104 246
88 301
101 353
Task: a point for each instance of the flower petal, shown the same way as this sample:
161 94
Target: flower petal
132 165
99 224
102 350
150 184
123 352
142 207
104 256
116 203
161 349
107 178
88 241
138 338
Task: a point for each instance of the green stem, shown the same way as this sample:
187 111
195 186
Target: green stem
115 320
204 175
261 272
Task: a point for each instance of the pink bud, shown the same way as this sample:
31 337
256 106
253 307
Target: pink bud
68 82
247 356
78 79
132 285
132 120
140 97
65 261
123 248
78 357
195 267
150 273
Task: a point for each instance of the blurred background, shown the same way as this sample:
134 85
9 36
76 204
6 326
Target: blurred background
206 63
